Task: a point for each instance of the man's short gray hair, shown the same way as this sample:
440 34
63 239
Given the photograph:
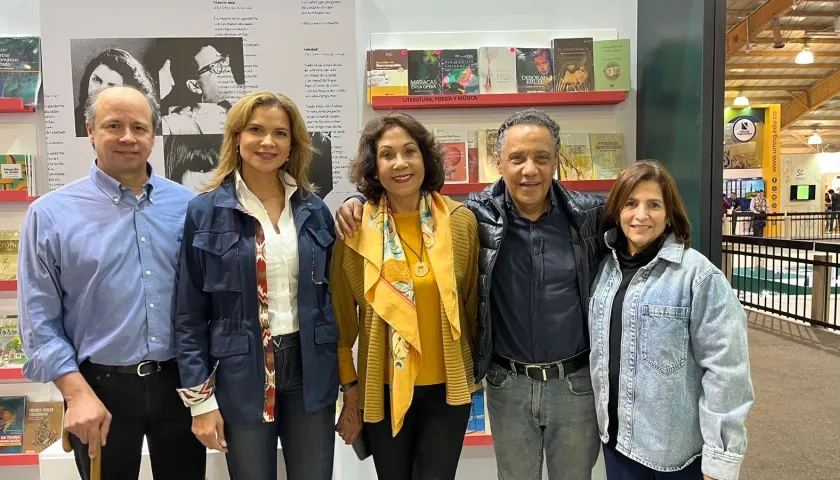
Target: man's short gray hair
531 116
90 105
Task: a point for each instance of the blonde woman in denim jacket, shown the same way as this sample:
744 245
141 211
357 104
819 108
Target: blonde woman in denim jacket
669 358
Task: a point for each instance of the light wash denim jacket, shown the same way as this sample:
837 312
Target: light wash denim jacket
684 383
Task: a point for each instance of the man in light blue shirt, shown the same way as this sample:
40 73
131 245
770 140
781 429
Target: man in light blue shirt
97 267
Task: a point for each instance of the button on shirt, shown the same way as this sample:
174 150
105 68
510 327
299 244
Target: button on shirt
281 256
96 274
535 299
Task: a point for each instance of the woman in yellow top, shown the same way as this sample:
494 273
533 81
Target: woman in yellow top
412 270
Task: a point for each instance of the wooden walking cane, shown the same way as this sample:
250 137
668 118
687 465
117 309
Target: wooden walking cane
95 462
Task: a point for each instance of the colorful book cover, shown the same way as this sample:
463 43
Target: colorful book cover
497 70
9 240
456 166
608 156
459 71
387 73
575 157
20 68
612 64
14 172
472 154
573 64
488 170
11 345
424 72
12 415
42 426
533 70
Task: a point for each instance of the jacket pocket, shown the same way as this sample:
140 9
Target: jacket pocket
321 241
664 337
221 260
228 345
327 333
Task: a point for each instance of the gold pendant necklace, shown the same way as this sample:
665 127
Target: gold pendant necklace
421 269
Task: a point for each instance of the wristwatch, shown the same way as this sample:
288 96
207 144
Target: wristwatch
348 386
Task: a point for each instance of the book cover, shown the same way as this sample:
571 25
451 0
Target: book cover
477 423
488 170
11 345
456 166
573 64
497 70
608 158
387 73
20 68
424 72
472 154
12 414
9 240
14 172
42 426
612 64
575 157
533 70
459 71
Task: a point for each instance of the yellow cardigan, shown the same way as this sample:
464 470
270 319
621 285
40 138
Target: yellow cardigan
347 290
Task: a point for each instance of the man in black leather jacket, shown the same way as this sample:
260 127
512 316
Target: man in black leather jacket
540 252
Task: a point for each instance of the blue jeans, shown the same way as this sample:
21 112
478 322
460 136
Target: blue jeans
307 439
529 417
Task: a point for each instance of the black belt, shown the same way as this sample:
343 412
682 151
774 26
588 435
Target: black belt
545 371
142 369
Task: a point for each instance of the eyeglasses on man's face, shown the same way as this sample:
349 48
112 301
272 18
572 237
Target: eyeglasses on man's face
216 67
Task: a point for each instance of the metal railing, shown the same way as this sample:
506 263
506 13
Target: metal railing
798 279
789 226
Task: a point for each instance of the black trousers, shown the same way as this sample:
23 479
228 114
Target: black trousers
143 407
429 443
620 467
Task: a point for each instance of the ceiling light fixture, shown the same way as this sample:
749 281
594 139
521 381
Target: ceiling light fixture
815 139
741 101
805 57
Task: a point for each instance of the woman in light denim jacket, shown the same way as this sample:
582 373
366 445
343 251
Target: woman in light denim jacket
669 359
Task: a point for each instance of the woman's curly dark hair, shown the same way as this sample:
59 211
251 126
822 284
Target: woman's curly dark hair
363 167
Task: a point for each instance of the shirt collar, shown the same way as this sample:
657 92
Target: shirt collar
242 190
113 188
552 202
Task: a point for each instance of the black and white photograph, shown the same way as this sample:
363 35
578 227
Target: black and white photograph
190 159
195 79
320 168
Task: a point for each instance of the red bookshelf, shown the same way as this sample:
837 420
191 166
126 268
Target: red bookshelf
478 440
544 99
14 105
578 185
8 285
15 195
11 373
18 459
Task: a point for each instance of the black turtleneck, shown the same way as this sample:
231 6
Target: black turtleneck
630 264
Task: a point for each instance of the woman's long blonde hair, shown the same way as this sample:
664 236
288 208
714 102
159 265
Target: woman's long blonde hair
237 118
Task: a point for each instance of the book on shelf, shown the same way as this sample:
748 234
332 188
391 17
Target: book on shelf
43 425
608 157
20 68
573 64
11 344
454 140
497 70
459 71
533 70
612 64
575 157
477 423
488 170
387 73
424 72
17 173
9 241
12 415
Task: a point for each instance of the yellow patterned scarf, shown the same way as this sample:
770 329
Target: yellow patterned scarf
389 287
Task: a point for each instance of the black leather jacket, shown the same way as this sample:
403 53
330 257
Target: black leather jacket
584 212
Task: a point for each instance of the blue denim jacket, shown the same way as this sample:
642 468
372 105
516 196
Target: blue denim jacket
685 386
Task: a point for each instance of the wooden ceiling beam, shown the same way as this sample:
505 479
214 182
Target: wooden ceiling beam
761 100
799 12
783 53
739 35
811 99
769 88
772 66
809 41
